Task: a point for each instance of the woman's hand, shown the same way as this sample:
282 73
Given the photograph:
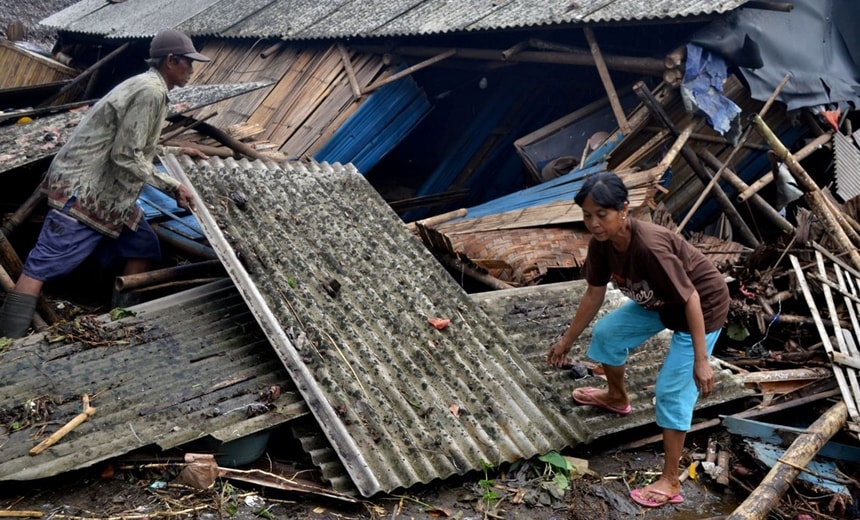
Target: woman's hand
704 376
557 355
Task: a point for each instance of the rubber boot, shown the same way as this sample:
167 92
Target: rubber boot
16 314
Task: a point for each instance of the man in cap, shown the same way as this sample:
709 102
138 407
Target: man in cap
94 181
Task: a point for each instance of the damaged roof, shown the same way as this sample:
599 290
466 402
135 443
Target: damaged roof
185 367
346 295
22 144
301 20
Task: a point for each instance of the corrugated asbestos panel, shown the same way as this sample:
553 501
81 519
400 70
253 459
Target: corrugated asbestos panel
301 19
191 365
344 292
27 143
535 317
129 19
847 166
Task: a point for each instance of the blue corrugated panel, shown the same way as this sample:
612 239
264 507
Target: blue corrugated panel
159 206
560 188
377 126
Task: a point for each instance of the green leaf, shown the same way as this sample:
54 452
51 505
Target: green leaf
737 332
557 461
118 313
561 481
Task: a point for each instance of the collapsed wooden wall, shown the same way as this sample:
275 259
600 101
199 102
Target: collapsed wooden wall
310 98
22 68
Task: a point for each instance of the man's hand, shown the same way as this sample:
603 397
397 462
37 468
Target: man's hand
184 198
192 152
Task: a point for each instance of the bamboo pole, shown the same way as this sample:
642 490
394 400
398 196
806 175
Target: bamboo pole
614 102
693 160
230 142
6 513
23 212
800 155
486 279
62 432
778 480
185 127
734 179
814 196
635 65
131 282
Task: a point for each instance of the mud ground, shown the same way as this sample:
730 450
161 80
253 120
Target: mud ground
135 488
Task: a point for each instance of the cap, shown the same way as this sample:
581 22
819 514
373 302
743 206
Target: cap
171 41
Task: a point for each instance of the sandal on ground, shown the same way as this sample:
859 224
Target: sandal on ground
587 395
637 497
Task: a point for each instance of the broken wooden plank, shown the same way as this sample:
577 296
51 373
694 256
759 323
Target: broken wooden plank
841 380
767 495
782 435
611 93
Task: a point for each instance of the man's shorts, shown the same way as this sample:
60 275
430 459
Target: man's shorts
64 243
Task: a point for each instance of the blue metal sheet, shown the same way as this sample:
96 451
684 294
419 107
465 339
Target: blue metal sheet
159 206
558 189
384 120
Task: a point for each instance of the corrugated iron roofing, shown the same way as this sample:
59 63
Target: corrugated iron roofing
847 157
187 366
344 291
332 19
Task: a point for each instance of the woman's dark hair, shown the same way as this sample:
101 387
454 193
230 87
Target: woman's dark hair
606 189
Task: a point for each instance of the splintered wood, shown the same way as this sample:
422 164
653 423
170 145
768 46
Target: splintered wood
840 286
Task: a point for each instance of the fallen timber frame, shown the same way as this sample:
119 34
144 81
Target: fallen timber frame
846 343
836 226
696 164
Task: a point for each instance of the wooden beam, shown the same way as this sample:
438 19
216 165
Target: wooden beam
623 125
743 139
350 70
698 168
803 153
85 74
409 70
737 183
191 123
646 66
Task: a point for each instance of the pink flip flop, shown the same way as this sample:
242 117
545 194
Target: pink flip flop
637 497
587 396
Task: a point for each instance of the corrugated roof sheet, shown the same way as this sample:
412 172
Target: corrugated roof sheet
26 143
847 165
302 20
344 292
186 366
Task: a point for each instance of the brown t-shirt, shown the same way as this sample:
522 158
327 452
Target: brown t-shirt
659 271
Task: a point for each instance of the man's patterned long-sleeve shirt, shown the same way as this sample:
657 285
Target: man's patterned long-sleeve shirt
109 157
